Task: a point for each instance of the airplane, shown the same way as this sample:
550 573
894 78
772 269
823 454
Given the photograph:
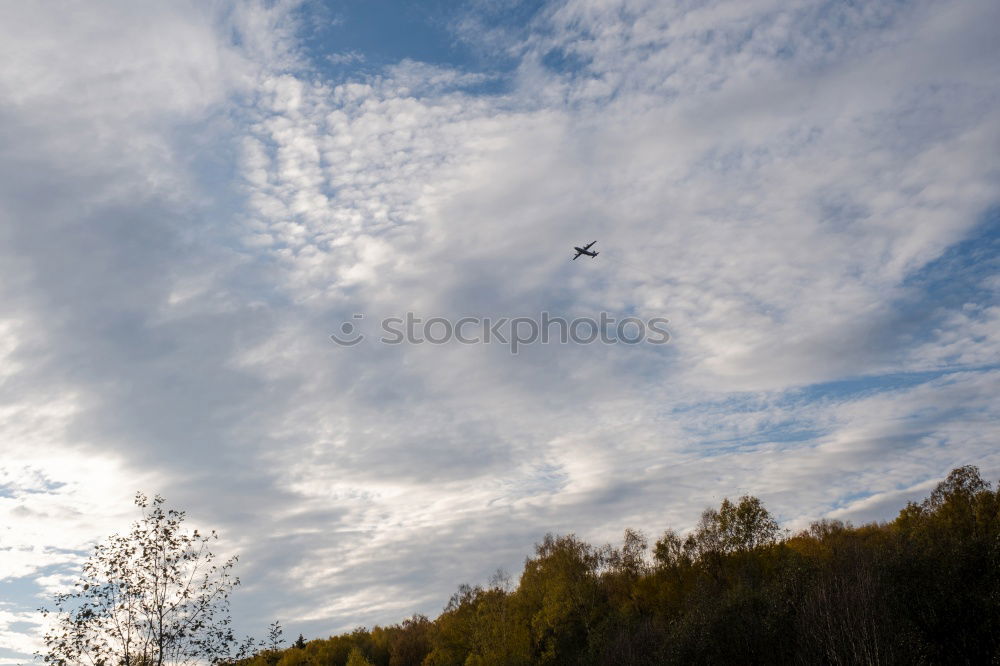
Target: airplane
585 250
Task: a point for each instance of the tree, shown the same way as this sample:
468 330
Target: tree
357 658
410 642
559 592
300 642
951 558
274 639
152 597
669 551
736 528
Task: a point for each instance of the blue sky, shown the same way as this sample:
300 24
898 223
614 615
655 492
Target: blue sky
194 196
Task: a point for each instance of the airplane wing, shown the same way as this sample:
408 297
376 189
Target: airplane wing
587 246
578 253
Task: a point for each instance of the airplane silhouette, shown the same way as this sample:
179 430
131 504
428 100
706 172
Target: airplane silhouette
585 250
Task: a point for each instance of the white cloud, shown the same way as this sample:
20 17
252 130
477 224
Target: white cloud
772 178
13 634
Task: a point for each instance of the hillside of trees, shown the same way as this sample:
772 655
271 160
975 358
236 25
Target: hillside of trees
922 589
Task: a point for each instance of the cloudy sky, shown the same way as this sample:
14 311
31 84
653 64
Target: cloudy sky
194 196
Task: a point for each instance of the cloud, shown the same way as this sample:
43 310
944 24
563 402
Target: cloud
345 58
804 192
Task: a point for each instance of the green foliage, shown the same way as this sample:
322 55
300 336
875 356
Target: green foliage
923 589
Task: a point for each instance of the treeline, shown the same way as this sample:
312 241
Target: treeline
922 589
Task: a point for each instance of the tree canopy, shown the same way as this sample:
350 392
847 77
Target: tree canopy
921 589
154 596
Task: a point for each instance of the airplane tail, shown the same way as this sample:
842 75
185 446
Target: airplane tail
596 253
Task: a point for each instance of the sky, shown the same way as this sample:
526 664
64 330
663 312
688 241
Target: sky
195 195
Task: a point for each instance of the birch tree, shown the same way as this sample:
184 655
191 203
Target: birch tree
152 597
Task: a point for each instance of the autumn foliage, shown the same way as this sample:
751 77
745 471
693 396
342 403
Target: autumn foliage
922 589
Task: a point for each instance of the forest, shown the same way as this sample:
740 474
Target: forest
921 589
